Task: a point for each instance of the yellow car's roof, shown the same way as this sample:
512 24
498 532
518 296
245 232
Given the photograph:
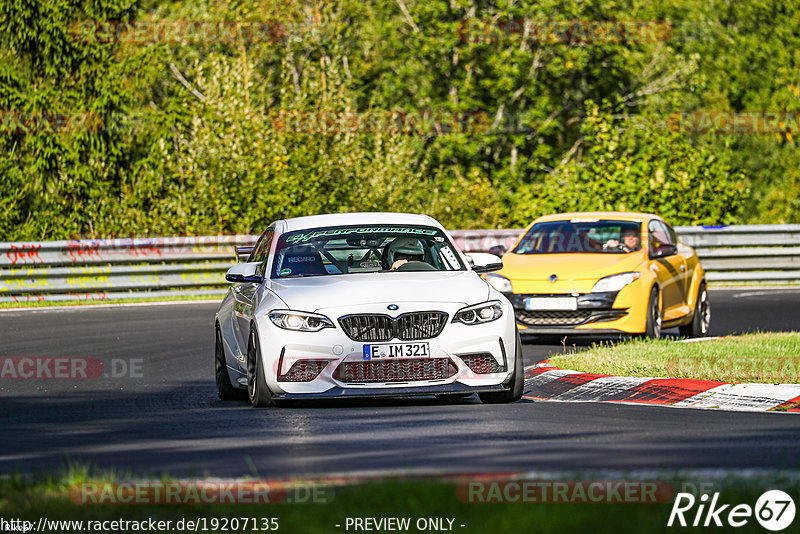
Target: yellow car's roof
602 215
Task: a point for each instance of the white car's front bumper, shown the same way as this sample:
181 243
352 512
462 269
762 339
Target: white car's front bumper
336 365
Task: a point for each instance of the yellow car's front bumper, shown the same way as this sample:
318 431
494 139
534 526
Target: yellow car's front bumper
622 312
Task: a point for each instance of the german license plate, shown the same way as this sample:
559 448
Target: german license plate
551 303
396 350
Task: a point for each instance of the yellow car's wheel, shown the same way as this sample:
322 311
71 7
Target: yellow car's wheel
702 315
653 325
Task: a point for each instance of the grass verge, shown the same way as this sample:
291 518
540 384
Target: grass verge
759 357
49 497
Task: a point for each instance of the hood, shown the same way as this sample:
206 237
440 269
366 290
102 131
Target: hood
316 292
537 267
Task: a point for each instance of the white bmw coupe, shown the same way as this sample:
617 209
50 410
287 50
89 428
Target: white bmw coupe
364 304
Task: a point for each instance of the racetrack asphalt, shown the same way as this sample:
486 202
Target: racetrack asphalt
167 419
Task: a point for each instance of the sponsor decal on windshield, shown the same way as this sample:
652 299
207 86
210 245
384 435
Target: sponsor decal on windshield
301 238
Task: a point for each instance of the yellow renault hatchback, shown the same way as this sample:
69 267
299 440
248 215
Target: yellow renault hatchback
604 273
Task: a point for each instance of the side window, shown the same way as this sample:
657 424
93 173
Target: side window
673 236
261 250
660 236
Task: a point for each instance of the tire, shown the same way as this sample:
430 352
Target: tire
653 325
701 320
257 390
517 382
225 389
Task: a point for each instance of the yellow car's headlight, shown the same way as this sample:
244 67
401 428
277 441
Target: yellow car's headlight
615 282
500 283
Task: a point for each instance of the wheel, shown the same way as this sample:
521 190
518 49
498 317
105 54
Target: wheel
653 326
257 389
225 390
702 315
517 382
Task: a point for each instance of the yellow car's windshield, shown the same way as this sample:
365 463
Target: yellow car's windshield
581 237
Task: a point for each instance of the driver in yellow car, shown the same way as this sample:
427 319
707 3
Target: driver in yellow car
630 241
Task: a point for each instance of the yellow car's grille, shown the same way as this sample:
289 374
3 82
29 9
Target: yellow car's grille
553 318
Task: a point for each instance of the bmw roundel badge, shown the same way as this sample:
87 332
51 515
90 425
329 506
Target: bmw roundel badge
392 307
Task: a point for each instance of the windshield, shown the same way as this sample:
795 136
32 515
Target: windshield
581 236
363 249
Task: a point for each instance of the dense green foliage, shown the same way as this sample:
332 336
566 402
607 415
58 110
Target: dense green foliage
204 136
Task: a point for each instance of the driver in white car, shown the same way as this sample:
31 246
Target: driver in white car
403 250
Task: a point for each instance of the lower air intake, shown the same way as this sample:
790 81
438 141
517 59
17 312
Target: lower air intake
482 364
303 371
396 370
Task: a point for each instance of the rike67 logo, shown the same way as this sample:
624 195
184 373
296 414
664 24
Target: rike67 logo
774 510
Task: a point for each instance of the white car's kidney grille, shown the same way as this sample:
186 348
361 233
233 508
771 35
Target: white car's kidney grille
408 326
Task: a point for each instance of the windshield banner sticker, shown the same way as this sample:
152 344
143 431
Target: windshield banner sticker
300 238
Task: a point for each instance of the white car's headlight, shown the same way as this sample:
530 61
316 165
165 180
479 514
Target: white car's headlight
301 321
615 282
479 313
500 283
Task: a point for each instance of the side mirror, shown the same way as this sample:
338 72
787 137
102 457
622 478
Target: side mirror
242 253
662 251
485 263
498 250
243 273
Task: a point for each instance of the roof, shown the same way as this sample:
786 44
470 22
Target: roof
602 215
340 219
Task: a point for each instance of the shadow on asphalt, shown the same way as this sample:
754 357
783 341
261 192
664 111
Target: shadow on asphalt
184 430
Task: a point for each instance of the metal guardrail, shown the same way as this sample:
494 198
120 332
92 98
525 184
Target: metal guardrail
108 269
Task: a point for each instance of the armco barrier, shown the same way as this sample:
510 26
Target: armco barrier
107 269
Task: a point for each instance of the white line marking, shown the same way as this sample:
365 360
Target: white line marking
104 306
762 293
700 339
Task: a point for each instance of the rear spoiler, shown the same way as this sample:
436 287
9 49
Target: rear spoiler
242 252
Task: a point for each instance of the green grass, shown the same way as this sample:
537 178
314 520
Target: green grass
51 303
48 496
758 357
